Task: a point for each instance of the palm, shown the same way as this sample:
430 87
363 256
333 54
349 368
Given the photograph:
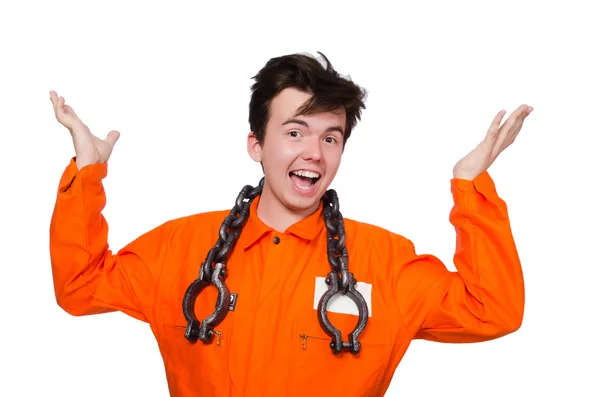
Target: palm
497 139
89 149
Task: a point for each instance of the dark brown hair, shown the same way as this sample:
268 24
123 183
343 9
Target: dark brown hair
304 72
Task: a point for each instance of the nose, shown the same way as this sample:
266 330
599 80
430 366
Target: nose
312 149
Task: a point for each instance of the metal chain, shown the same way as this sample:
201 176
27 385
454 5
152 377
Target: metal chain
213 271
339 280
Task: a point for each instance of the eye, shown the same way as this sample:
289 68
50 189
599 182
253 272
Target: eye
294 134
330 139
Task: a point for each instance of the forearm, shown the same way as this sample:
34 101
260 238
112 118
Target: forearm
78 239
484 298
486 255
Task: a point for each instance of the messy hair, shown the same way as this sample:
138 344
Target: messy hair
304 72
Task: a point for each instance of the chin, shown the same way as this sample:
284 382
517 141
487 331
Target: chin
301 204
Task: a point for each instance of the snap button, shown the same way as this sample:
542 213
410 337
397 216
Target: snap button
276 240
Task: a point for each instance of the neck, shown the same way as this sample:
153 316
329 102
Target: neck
275 214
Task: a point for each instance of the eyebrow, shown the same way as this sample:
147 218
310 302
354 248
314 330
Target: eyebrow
302 122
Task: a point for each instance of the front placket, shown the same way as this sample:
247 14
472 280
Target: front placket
266 315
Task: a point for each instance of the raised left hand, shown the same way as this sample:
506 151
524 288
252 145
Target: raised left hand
496 140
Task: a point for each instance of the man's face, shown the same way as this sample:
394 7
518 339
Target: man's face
300 154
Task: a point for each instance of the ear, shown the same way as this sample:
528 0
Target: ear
254 148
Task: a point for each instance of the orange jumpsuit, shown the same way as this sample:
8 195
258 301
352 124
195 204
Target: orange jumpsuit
271 344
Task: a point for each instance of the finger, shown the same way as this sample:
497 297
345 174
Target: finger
53 98
70 112
59 107
525 112
55 102
112 137
516 128
512 130
517 114
521 115
498 119
513 124
494 127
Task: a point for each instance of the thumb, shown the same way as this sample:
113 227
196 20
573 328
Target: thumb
494 129
112 137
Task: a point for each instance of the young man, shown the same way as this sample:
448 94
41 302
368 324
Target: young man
274 307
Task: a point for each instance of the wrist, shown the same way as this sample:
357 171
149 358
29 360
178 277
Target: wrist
467 176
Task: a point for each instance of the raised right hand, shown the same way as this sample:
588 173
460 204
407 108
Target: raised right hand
89 149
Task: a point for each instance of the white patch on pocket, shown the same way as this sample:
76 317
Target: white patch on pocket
340 303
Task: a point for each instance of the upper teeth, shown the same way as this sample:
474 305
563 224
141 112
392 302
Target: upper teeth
308 174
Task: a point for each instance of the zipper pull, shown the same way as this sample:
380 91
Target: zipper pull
218 333
304 337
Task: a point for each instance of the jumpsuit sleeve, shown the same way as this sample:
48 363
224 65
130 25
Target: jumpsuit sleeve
484 299
88 277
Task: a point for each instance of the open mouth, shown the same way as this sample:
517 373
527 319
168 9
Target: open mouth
304 180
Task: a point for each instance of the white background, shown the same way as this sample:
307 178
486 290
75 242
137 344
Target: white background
174 80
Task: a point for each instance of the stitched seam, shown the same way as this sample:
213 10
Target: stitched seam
85 231
474 251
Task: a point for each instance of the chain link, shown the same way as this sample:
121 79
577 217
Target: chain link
213 271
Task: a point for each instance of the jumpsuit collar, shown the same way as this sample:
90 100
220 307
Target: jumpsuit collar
307 228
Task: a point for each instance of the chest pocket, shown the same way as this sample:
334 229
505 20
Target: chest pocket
195 368
318 371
